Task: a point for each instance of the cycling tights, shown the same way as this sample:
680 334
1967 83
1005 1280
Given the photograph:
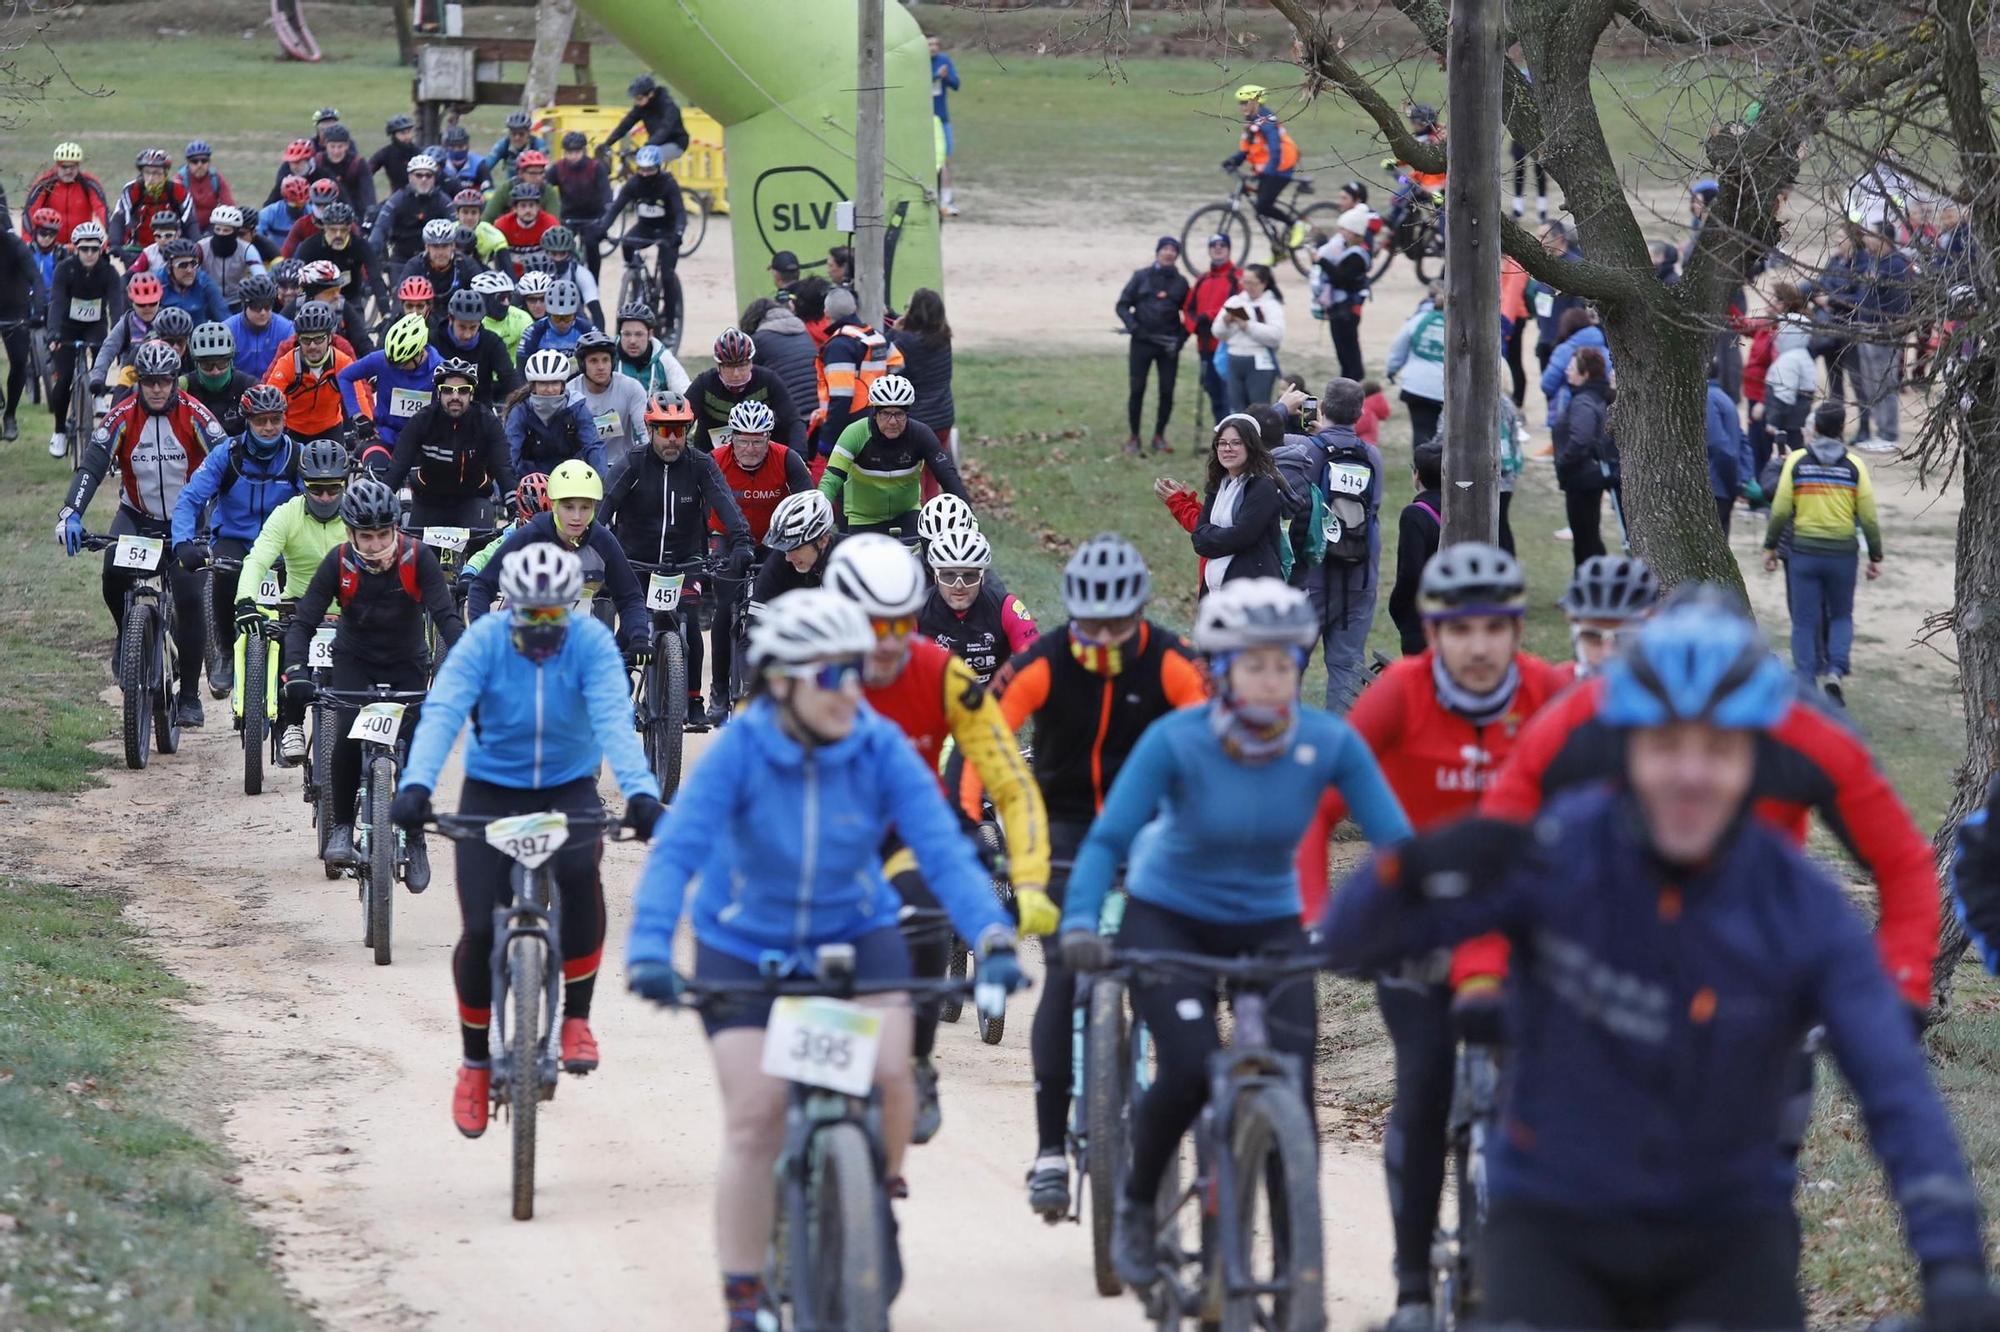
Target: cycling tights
347 753
1050 1039
1418 1016
929 943
62 370
188 629
15 340
223 602
484 883
1269 188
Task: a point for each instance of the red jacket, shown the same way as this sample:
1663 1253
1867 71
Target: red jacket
1204 301
302 230
132 217
81 200
205 194
758 492
1757 363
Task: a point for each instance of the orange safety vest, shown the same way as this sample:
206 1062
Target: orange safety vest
879 356
1256 153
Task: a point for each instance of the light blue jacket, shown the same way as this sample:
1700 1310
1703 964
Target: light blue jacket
260 486
788 844
255 350
539 726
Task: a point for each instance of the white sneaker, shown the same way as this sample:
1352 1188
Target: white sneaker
292 744
58 444
1880 446
1564 534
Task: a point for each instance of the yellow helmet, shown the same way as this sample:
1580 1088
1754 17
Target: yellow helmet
1251 92
575 479
407 339
69 152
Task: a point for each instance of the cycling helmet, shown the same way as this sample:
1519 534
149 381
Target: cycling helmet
565 297
518 120
559 240
369 504
1700 660
808 625
1471 578
68 152
1106 579
534 261
649 158
314 317
174 324
156 360
339 213
533 160
535 284
467 305
667 405
798 519
198 148
422 162
226 215
318 274
258 289
324 114
597 340
45 219
407 340
945 512
547 366
152 157
294 189
1610 587
468 198
259 399
212 339
879 574
323 192
440 231
490 283
637 313
541 576
892 391
1251 92
523 190
320 459
752 418
965 548
531 496
398 123
643 85
92 230
166 219
416 287
733 347
285 273
575 479
299 150
457 136
179 248
455 368
336 134
143 289
573 140
1255 612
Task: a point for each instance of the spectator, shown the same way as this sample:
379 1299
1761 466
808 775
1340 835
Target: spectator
1375 409
1792 381
1833 299
784 346
1584 450
1725 448
840 265
1417 534
1756 369
944 82
1825 494
1343 267
1546 303
1250 326
1417 356
1577 330
1222 280
1347 581
784 271
1150 309
925 338
1514 323
1883 302
1666 264
1240 534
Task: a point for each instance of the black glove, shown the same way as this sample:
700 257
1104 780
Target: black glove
1234 160
192 555
1461 856
97 388
411 807
1085 950
248 617
637 655
1959 1298
642 813
739 562
1478 1010
297 682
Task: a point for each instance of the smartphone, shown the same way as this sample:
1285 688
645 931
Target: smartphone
1309 409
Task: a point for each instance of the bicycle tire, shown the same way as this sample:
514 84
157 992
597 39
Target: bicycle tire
636 286
670 702
160 662
1380 265
256 664
1216 219
953 1008
322 768
1428 258
134 649
673 312
993 1029
849 1268
82 408
697 221
1273 1156
38 365
526 958
1106 1055
1304 255
213 650
381 855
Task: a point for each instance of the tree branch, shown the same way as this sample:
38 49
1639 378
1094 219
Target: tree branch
1666 29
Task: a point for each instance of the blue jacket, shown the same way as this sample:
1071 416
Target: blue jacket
1725 443
275 221
538 725
1655 1023
1590 335
399 393
256 349
944 81
535 445
788 844
604 563
1217 856
542 336
259 486
203 301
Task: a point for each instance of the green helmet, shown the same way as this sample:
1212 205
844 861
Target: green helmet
407 339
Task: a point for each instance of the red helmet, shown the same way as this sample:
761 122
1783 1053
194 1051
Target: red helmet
468 198
323 191
45 219
143 289
667 406
294 190
299 150
532 496
534 157
734 347
416 288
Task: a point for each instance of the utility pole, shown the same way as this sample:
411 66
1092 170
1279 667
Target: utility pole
1473 59
870 151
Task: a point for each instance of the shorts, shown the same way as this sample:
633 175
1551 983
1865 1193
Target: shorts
878 955
947 138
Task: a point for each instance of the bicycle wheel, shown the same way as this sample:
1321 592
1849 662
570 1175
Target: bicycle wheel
846 1250
381 854
697 221
1321 216
636 287
670 703
1106 1056
322 779
256 653
1275 1233
525 962
160 663
672 312
135 653
1216 219
953 1008
215 651
82 408
1428 254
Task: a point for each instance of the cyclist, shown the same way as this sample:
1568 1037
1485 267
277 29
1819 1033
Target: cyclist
575 494
156 438
461 163
800 536
779 888
321 281
1267 148
395 158
1416 185
414 296
86 299
476 238
935 699
531 497
73 192
22 300
44 241
852 356
452 452
553 707
876 470
583 184
285 273
660 506
320 196
187 287
644 357
206 189
659 213
129 333
530 168
174 327
144 195
166 230
760 474
563 326
360 271
340 163
524 221
653 108
259 329
545 425
462 335
1608 597
309 375
440 264
1633 1181
275 220
384 583
1440 723
533 290
212 377
559 245
294 163
401 224
226 255
240 483
300 532
401 376
616 403
504 319
981 625
716 391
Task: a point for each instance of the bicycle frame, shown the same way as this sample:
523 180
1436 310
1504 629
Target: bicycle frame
535 912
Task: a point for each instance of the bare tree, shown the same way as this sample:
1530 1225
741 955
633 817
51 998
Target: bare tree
24 86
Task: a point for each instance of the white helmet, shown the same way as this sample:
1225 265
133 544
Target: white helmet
892 391
806 625
1106 579
225 215
798 519
492 282
543 574
92 230
960 550
752 418
945 512
1255 612
878 573
534 284
422 162
547 365
440 231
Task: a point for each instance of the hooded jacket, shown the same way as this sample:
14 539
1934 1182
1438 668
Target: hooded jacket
245 489
785 347
1824 492
660 370
600 548
660 510
1794 373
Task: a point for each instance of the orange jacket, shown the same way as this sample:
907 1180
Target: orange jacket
1513 289
312 396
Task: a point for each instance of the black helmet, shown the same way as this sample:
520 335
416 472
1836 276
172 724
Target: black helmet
258 288
466 304
1471 578
398 123
314 317
369 504
455 135
575 139
285 273
594 341
156 360
642 86
456 368
1421 114
1610 587
524 189
336 134
559 240
636 310
179 248
337 214
173 323
519 120
262 399
323 460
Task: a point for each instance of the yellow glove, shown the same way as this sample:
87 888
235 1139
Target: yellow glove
1037 911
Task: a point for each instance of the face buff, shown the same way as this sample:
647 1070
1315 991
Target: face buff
1479 709
1248 734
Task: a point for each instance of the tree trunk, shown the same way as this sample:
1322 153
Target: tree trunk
406 37
554 20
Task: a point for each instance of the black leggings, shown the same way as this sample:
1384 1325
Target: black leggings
929 943
1269 188
1344 327
1181 1017
1166 361
15 340
1522 158
1413 1148
1546 1267
186 591
346 752
224 601
1510 350
1049 1040
484 884
1586 518
62 367
1424 414
728 596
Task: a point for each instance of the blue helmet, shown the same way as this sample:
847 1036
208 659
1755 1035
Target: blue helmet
650 156
199 148
1701 660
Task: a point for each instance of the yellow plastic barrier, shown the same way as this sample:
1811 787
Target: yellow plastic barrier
699 169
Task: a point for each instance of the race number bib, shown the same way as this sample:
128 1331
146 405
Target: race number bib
141 554
83 311
448 538
823 1043
610 425
320 655
528 838
405 402
268 591
1545 304
378 723
663 591
651 210
1348 479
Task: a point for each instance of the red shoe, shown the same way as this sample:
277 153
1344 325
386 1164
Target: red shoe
470 1099
579 1047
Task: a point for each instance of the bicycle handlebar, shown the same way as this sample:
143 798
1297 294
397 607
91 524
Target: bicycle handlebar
1202 966
703 993
362 697
472 827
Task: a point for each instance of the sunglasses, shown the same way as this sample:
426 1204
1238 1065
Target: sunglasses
1598 637
960 577
184 264
900 626
89 247
326 491
670 427
890 413
455 391
315 339
198 161
829 675
540 614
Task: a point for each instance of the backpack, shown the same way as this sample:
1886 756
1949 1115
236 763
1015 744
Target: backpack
1348 523
1301 505
351 569
290 476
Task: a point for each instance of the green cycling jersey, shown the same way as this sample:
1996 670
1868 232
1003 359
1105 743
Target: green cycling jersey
878 480
295 536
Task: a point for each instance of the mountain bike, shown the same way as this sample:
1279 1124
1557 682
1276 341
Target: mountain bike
619 166
1255 1191
1415 230
674 597
527 968
147 661
256 702
1236 217
658 291
1475 1113
318 786
380 852
453 546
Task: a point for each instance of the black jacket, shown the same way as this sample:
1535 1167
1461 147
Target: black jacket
1416 541
660 510
498 375
584 188
1252 537
21 293
1150 306
393 160
603 560
381 627
225 403
448 457
927 365
661 116
656 206
1582 437
75 284
712 399
361 272
399 226
458 274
